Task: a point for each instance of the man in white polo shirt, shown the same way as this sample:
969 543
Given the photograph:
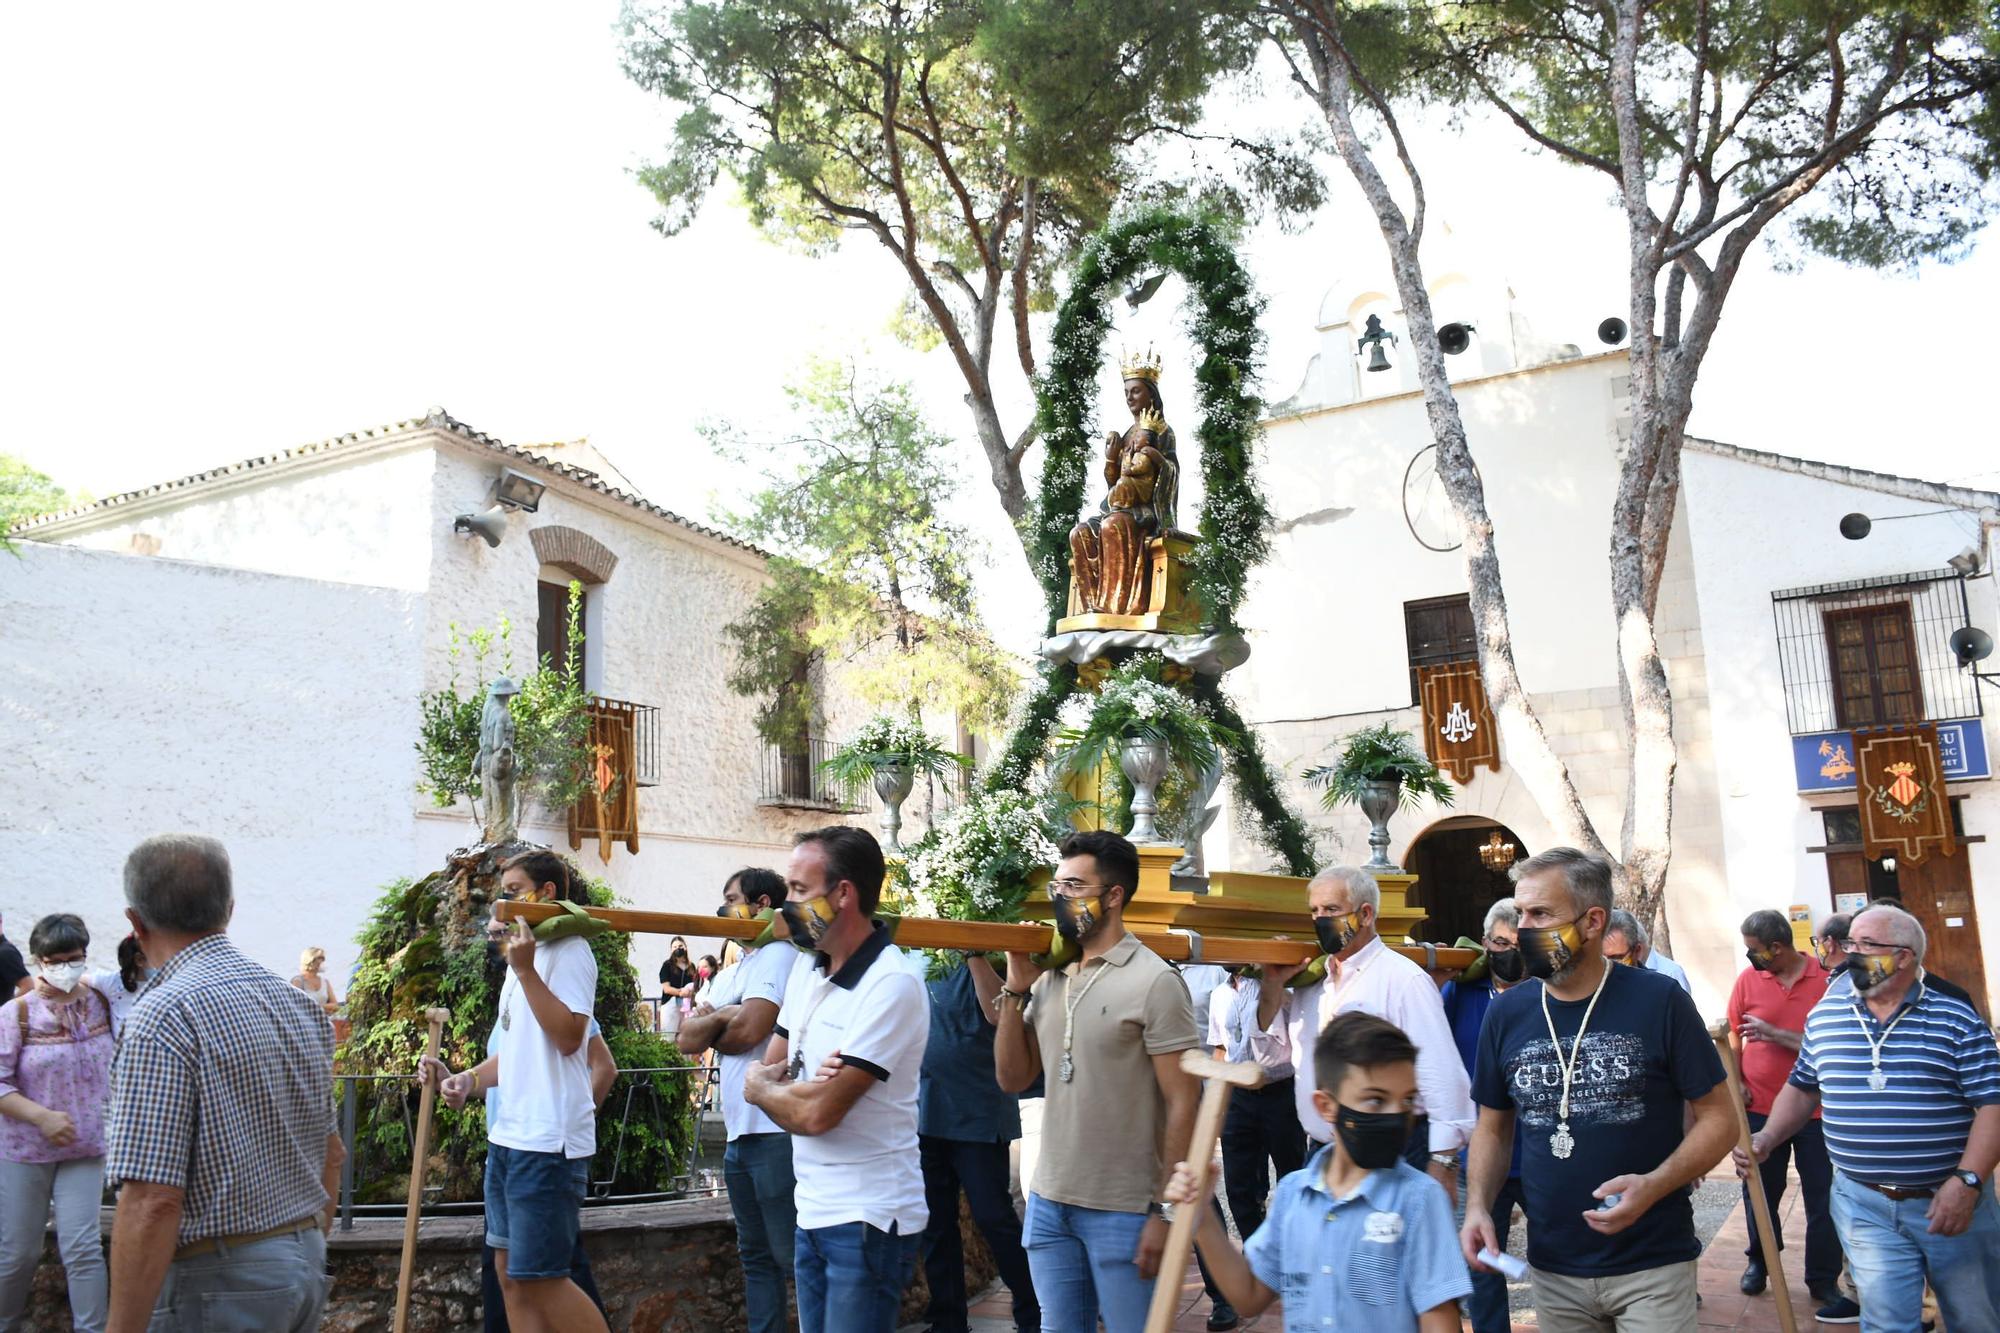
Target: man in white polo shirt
757 1164
841 1074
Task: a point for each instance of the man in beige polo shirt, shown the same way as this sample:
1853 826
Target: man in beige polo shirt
1107 1033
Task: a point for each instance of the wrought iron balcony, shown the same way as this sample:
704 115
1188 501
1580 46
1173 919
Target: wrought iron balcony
789 775
622 754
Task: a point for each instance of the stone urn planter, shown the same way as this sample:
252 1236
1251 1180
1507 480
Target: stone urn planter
893 783
1145 766
1378 799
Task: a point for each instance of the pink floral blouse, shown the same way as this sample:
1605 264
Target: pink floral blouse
64 1063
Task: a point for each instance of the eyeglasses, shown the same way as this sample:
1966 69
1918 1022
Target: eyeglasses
1495 942
1852 945
1072 888
1617 957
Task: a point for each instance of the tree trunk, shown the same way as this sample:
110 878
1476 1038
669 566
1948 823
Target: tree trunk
1529 752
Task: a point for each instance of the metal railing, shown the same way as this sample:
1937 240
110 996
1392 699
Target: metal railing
625 1095
1914 665
639 722
790 775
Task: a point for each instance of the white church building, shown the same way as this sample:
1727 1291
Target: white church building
1365 584
242 653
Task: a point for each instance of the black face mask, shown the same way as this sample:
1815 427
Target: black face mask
1548 950
1761 964
1373 1141
1506 965
1076 918
1334 933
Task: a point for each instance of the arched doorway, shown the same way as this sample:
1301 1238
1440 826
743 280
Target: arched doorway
1460 873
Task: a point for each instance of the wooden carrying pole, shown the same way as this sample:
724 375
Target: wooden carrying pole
1760 1207
919 932
437 1019
1220 1079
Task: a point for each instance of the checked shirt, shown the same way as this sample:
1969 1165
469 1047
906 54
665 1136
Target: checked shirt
223 1087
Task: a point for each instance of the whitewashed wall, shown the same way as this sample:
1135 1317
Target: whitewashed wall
1785 528
356 516
145 696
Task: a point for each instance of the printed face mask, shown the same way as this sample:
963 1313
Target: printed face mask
1336 932
1076 918
1372 1140
1760 961
808 921
1547 951
62 976
1506 965
1872 969
736 912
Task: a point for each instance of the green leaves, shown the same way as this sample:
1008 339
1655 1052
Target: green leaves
26 493
867 568
1378 754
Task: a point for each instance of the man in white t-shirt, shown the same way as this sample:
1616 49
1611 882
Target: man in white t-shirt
841 1074
541 1136
757 1163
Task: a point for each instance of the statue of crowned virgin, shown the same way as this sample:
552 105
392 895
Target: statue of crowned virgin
1111 552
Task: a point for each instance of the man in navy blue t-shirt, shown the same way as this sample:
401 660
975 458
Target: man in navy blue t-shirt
1600 1065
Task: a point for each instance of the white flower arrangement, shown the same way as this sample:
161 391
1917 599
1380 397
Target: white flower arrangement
979 862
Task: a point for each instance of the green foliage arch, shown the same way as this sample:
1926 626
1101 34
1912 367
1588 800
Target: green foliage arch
1233 524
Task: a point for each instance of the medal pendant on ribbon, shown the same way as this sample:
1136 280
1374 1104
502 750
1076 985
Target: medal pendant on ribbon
507 1017
1560 1143
796 1067
1065 1071
1877 1080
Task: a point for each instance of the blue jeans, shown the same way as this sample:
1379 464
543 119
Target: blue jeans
758 1170
1890 1252
851 1277
1083 1262
533 1209
277 1285
1486 1309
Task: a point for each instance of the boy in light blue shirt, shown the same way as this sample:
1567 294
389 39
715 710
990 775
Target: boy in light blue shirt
1358 1238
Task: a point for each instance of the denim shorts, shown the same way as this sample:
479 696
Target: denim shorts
532 1203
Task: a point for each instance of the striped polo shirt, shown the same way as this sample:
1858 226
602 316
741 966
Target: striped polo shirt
1939 1065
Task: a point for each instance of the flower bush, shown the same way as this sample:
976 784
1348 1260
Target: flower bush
1135 704
983 859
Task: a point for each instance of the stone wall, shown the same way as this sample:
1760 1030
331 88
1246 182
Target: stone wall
662 1268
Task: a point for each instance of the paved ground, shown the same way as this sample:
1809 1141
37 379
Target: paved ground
1718 1219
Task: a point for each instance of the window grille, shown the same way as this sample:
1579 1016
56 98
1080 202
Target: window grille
1873 652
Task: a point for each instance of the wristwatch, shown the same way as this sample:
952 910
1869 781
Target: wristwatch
1969 1179
1163 1211
1448 1160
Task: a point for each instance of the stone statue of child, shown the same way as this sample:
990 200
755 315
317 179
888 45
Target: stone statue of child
497 766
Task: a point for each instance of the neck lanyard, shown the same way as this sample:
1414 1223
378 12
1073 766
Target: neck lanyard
1560 1142
797 1043
1877 1080
1072 997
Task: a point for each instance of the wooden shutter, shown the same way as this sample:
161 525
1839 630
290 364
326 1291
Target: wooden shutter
1873 656
1438 629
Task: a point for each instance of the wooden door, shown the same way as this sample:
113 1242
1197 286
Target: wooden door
1939 894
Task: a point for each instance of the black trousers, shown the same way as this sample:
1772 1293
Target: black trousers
1808 1148
980 1170
496 1305
1260 1133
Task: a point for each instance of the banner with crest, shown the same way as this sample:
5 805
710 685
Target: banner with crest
1459 734
1900 783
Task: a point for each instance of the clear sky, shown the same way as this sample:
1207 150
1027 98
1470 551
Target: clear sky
233 228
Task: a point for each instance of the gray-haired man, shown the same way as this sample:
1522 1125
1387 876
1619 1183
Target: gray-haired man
221 1125
1628 942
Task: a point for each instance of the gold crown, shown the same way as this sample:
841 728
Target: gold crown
1145 366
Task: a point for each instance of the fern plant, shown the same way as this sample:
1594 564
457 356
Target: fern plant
1379 753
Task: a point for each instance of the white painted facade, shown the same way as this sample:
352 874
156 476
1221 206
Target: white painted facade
1326 614
367 521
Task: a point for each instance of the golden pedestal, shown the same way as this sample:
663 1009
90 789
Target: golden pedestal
1169 608
1243 905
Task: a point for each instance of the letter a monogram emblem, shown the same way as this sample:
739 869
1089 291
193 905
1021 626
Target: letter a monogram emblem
1458 724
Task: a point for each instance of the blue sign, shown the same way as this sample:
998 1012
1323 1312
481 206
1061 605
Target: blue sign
1824 761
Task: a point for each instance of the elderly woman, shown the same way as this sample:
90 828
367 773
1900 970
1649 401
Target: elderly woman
55 1078
311 982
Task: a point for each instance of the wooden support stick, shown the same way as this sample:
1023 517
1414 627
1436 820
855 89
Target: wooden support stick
1220 1079
1760 1206
437 1019
918 932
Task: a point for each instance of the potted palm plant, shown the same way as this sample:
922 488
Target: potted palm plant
888 753
1379 768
